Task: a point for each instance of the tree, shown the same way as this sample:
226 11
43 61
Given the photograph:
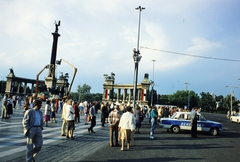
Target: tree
227 103
84 92
207 102
180 98
163 100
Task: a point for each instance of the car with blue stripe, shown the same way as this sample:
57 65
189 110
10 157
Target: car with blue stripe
180 121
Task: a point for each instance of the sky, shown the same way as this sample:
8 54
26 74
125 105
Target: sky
98 36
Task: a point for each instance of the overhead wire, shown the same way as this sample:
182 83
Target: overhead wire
190 55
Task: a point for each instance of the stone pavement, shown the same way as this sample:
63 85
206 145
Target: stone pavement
95 146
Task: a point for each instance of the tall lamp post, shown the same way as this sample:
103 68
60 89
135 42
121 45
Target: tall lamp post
152 84
188 105
136 58
231 87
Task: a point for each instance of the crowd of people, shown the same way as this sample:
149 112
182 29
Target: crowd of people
122 119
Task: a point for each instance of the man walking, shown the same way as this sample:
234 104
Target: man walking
92 113
33 125
113 120
64 123
194 122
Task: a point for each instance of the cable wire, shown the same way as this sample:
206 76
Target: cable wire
190 55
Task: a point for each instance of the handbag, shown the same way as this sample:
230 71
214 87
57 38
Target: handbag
89 118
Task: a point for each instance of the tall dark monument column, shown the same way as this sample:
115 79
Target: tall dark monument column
50 80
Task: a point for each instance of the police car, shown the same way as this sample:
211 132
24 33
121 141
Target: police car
181 121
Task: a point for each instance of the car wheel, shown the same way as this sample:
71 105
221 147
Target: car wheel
175 129
214 131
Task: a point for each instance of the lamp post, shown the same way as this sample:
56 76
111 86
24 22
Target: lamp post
231 87
188 105
157 92
79 93
2 84
136 58
152 84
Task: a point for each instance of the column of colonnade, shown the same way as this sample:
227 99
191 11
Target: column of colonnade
127 94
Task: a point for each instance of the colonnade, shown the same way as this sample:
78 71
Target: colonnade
124 92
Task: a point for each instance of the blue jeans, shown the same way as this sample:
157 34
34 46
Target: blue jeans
153 126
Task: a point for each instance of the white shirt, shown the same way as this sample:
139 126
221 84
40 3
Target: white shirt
69 112
127 121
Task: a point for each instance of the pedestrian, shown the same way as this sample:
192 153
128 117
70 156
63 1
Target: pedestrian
113 120
104 114
138 118
33 125
126 126
26 107
53 111
47 112
56 104
4 109
194 119
92 113
153 121
81 106
19 101
64 123
9 106
70 119
60 105
76 114
86 112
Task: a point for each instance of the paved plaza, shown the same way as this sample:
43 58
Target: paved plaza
95 146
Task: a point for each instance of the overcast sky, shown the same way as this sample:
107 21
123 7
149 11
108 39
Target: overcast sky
97 37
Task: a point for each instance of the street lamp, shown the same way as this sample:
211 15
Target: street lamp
136 59
186 83
152 84
157 92
231 87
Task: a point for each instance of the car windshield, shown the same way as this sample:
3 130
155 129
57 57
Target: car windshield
173 116
201 118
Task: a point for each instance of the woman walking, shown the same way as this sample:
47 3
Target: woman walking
126 126
153 117
47 112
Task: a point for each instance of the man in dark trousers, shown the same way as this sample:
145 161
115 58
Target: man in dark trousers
92 113
33 125
104 114
113 120
194 119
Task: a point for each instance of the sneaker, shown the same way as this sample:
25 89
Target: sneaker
121 148
152 137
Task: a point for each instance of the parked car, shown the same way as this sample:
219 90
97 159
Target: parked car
181 121
235 118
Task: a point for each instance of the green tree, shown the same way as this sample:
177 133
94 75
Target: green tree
180 98
163 100
84 92
227 103
207 102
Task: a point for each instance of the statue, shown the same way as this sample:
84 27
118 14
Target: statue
56 26
11 71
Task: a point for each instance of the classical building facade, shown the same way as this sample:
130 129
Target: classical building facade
123 93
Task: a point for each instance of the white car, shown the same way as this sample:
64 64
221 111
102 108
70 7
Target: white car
181 121
235 118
